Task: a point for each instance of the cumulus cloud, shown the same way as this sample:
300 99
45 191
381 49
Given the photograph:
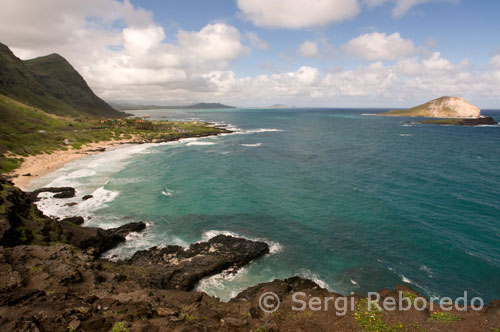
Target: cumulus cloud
309 48
119 49
256 42
215 42
401 7
408 81
377 46
495 62
295 14
125 55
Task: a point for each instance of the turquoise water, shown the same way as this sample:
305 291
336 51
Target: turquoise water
356 202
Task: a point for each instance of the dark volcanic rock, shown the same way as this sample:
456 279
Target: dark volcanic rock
97 150
84 198
97 239
174 267
61 192
74 220
478 122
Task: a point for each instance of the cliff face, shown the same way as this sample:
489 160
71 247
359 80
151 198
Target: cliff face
444 107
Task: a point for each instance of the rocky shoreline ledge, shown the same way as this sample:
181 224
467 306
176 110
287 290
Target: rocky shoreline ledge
53 279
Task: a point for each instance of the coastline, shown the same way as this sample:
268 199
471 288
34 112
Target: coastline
42 164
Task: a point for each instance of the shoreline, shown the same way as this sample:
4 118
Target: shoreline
42 164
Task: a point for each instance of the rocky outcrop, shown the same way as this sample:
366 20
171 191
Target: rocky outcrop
482 121
60 192
444 107
56 287
97 240
61 288
174 267
22 223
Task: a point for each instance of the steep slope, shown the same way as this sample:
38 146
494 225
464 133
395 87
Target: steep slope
49 83
444 107
61 80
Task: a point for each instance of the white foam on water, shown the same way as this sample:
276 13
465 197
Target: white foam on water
217 285
307 274
252 145
200 143
354 282
405 135
100 168
408 281
167 192
81 173
101 198
134 242
239 131
428 270
274 247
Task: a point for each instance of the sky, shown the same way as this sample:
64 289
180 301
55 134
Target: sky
256 53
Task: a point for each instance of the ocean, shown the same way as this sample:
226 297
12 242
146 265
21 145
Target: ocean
353 201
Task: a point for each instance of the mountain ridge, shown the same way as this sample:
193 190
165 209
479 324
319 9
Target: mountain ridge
50 83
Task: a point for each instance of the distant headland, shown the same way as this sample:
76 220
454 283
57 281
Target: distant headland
449 111
130 107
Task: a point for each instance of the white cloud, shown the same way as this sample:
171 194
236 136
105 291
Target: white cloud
295 14
256 42
125 55
309 48
379 46
495 62
307 75
215 42
401 7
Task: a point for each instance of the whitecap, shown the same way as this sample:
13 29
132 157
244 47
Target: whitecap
408 281
428 270
167 192
252 145
405 135
239 131
200 143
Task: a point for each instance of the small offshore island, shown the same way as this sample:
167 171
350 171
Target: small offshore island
53 276
448 110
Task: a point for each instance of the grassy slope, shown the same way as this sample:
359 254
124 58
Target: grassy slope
21 125
49 83
17 81
61 80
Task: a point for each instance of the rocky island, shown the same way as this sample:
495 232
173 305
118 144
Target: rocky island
449 111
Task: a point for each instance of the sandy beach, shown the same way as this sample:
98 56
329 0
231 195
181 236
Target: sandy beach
39 165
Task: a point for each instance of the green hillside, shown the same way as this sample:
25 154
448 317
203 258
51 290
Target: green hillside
26 130
49 83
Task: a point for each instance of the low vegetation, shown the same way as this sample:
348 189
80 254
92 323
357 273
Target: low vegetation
444 317
26 130
371 319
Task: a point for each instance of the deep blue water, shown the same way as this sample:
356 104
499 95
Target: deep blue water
355 202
